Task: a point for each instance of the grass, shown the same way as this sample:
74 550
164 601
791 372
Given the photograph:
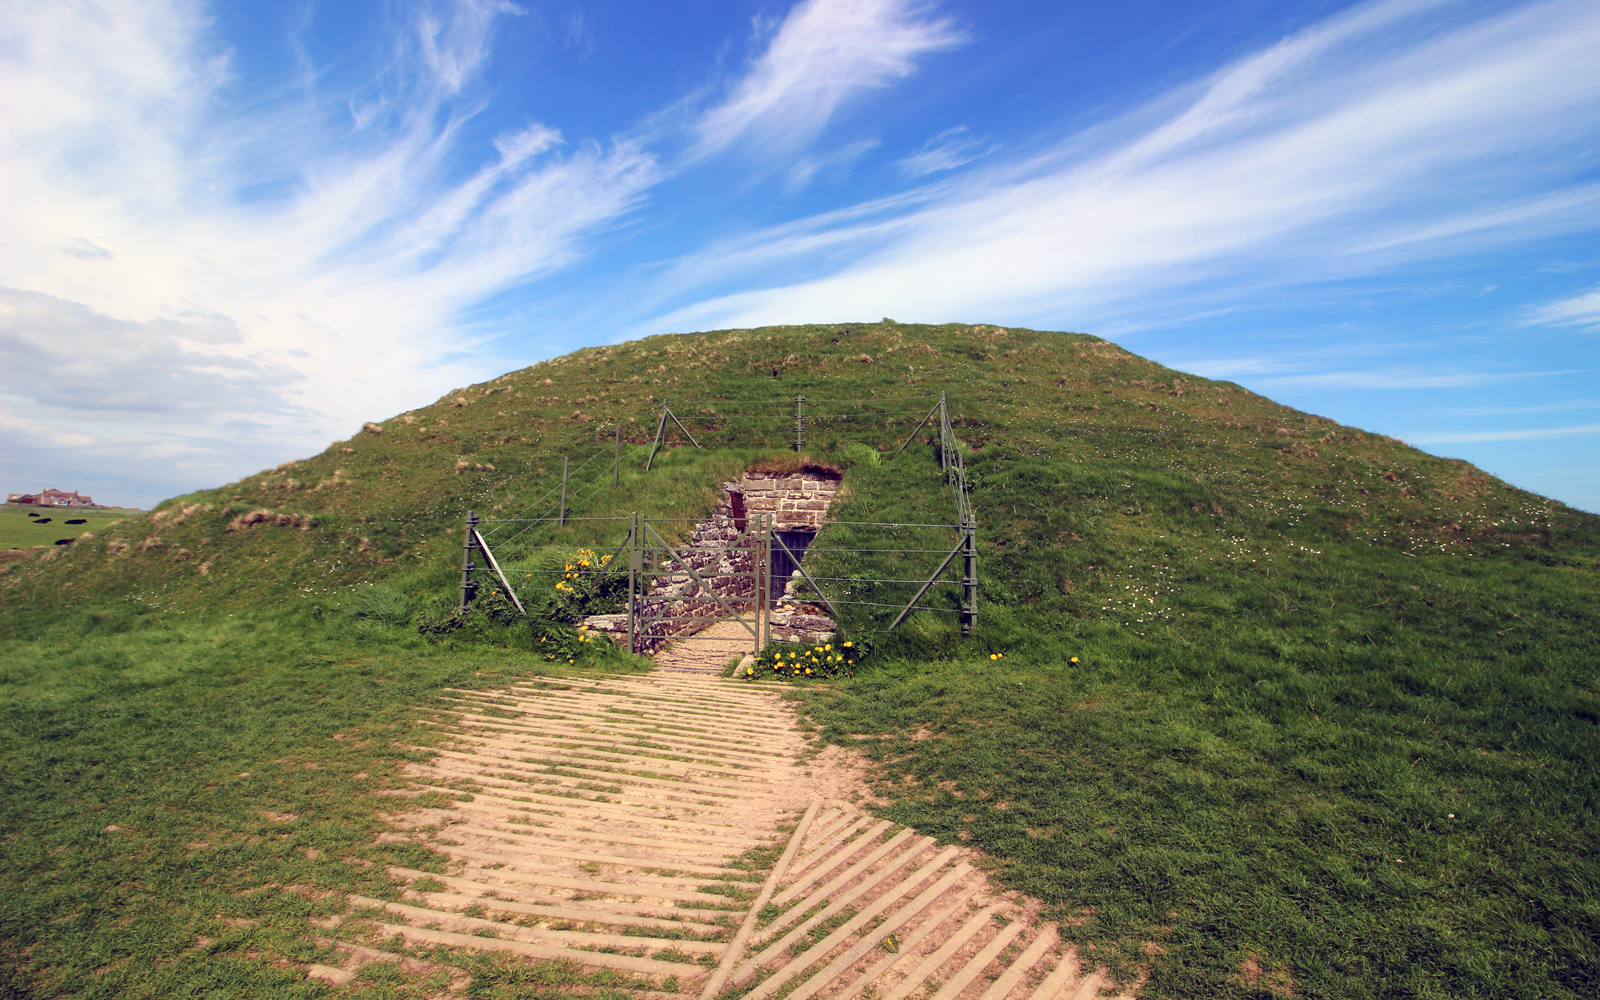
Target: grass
19 531
1301 648
183 799
1356 760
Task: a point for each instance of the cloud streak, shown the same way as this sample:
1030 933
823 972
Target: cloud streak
1540 434
824 53
1578 310
952 148
302 262
1317 158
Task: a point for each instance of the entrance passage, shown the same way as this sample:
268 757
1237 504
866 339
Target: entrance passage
784 563
795 495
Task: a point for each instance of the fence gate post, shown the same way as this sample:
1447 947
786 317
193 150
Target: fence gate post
799 422
764 583
469 586
969 576
661 428
944 437
616 454
635 564
562 521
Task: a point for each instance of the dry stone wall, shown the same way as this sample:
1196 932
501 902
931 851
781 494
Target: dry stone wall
798 501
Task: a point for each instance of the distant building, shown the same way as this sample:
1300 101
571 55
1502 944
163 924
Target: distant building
52 498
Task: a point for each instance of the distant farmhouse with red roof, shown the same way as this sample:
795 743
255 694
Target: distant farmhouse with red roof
52 498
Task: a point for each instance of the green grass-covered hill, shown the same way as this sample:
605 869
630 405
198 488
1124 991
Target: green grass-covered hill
1332 730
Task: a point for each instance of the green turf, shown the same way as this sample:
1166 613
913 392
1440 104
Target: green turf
18 530
183 799
1302 648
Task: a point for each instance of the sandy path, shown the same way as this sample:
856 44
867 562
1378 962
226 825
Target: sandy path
610 820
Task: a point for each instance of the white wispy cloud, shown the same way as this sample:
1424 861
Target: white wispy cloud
290 267
1578 310
1539 434
1323 156
1400 379
952 148
824 53
1501 411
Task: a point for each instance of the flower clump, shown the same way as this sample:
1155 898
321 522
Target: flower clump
582 564
565 644
796 662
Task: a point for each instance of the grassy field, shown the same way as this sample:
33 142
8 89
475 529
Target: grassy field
1332 730
19 531
182 800
1362 771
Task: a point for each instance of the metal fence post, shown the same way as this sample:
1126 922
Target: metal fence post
969 581
562 521
799 422
661 428
635 564
944 437
469 586
616 455
764 583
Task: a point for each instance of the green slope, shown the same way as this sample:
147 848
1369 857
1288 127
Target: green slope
1303 647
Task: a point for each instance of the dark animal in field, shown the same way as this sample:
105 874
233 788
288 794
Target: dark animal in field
79 520
65 541
32 514
44 520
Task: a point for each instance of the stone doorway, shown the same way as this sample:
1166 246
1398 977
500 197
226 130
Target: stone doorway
796 494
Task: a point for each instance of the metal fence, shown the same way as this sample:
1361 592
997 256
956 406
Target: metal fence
722 582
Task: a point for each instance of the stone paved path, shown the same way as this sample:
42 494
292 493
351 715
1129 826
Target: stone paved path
608 821
709 650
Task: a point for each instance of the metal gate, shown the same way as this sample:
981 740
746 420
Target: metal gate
674 588
724 570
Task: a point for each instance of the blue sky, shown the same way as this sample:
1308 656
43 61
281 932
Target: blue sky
233 232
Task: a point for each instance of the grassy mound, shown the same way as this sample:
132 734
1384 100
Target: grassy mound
1332 729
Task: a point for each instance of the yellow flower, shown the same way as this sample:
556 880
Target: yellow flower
828 646
1073 660
993 656
847 645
